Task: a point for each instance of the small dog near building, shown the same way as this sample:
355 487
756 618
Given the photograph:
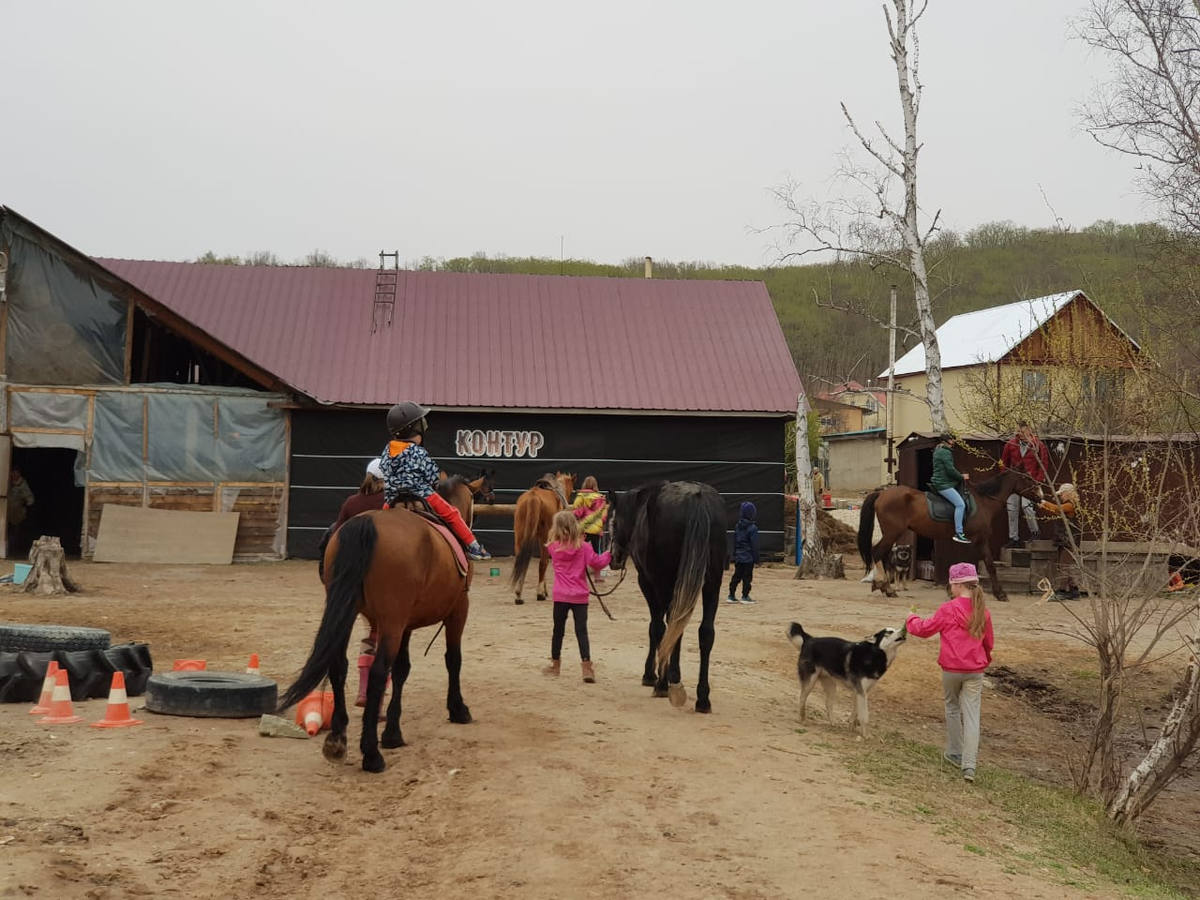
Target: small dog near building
857 665
898 565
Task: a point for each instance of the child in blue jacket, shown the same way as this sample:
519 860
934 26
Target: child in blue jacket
745 553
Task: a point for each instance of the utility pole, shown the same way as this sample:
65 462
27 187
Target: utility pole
891 395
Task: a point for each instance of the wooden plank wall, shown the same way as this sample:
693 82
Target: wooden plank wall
259 525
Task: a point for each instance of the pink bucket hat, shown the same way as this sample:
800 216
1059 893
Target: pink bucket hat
960 572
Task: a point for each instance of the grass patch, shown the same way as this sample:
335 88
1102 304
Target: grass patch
1061 836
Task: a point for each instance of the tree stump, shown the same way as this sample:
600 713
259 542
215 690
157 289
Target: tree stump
824 565
49 574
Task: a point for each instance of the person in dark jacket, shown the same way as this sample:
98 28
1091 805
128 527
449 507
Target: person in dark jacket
745 553
948 482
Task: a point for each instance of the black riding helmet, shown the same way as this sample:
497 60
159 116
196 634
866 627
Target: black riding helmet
406 419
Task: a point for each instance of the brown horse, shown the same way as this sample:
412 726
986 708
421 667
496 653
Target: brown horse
531 527
900 508
401 575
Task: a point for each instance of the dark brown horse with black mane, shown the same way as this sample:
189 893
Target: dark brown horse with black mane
675 534
401 574
900 508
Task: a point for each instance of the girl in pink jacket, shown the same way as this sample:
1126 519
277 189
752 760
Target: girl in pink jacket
966 629
571 557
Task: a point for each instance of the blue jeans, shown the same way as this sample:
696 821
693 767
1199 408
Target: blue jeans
960 507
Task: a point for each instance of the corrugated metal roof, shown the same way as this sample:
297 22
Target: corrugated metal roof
503 341
986 335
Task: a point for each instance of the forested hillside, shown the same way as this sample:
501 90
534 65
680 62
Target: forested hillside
990 265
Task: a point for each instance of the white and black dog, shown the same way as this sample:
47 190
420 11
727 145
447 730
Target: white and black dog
857 665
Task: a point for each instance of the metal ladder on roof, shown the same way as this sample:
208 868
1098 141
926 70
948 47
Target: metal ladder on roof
385 291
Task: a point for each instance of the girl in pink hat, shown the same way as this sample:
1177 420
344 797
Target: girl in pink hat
966 629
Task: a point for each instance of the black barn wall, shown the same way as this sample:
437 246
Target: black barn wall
742 457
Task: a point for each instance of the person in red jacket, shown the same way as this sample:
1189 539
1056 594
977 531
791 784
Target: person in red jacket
1026 452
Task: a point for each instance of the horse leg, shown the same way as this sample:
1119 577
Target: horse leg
392 736
658 627
708 633
997 590
543 562
368 744
879 553
676 692
459 714
334 748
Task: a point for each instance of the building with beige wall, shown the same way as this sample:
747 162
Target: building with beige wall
1058 362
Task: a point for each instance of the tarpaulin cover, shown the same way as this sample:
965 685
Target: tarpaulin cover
117 437
35 409
63 326
194 435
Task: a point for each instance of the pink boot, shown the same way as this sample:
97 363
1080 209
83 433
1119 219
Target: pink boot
364 670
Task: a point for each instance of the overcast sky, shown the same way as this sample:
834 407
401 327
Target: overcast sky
161 130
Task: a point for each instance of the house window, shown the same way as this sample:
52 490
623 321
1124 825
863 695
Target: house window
1104 387
1035 384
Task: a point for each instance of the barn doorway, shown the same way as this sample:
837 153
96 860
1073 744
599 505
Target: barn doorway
57 510
924 547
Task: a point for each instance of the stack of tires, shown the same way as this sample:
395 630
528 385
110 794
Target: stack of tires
85 653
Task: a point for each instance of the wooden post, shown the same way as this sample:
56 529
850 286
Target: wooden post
49 573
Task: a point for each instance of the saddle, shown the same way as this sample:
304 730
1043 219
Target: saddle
550 483
942 510
420 508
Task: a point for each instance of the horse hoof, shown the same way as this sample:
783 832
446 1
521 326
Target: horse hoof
648 680
391 741
461 716
541 598
703 707
374 763
659 692
519 602
677 694
334 748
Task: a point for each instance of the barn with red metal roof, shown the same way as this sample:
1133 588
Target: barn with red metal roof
629 380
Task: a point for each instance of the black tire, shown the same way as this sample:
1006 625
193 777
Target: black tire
15 685
134 661
52 637
221 695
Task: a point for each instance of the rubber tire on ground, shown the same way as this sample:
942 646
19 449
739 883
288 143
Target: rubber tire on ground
52 637
221 695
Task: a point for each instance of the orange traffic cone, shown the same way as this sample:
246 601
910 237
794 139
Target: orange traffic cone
43 704
60 706
252 668
310 714
190 665
116 714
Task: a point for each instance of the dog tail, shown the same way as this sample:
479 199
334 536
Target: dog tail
796 634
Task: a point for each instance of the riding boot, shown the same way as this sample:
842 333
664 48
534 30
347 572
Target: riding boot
589 673
553 669
364 670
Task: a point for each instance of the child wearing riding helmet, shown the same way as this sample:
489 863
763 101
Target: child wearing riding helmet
409 469
948 482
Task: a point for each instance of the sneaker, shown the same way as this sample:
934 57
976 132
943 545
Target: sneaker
476 551
955 759
968 774
748 600
961 538
1013 544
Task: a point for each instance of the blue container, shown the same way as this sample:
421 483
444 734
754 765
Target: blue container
21 572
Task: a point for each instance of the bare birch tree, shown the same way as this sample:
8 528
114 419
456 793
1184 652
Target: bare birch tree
874 222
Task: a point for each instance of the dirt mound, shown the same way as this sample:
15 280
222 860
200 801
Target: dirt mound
837 536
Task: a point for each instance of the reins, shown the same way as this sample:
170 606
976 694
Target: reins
599 596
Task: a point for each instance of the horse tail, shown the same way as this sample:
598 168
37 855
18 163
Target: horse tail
525 529
356 547
689 580
866 529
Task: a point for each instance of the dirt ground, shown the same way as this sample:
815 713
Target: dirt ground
558 789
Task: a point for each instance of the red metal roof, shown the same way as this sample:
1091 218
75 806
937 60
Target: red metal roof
505 341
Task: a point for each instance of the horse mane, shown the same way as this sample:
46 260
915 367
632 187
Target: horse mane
447 486
991 487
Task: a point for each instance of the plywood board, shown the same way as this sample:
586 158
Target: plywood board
131 534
